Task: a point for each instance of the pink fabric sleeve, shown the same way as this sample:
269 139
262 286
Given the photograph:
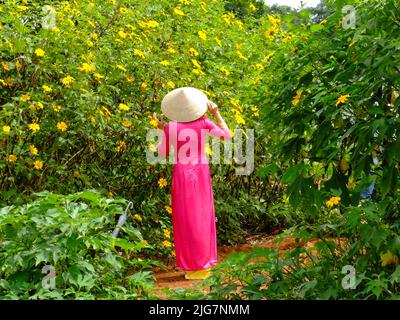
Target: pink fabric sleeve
216 131
163 147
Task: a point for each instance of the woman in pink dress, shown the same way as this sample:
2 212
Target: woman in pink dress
193 215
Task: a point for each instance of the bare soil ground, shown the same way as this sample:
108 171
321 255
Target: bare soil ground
174 278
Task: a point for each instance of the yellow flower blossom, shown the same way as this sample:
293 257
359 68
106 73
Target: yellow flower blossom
287 38
121 146
86 67
179 11
138 53
252 7
389 258
239 119
71 22
122 34
56 107
297 97
33 150
165 63
11 158
25 97
149 24
5 66
168 209
333 201
46 88
123 107
138 217
154 123
22 8
143 86
196 63
6 129
62 126
271 33
193 52
184 1
342 99
235 103
94 36
38 164
126 123
274 21
171 50
166 243
225 71
67 81
39 52
202 35
228 17
171 84
98 76
162 182
167 233
34 126
207 149
89 43
152 24
123 10
198 72
255 111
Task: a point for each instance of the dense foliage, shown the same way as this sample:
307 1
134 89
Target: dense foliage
62 247
342 112
77 98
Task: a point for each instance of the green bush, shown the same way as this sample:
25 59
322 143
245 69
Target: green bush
368 245
73 235
76 98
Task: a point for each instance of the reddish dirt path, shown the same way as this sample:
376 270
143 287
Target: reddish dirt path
174 278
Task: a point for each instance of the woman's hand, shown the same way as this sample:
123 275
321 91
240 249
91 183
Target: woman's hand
212 107
160 123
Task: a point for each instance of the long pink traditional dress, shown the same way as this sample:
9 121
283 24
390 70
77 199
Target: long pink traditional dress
193 216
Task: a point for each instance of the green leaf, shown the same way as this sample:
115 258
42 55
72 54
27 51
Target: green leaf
293 173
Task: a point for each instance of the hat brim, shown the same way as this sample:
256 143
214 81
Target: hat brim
184 104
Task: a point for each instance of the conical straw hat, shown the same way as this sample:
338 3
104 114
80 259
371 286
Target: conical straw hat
184 104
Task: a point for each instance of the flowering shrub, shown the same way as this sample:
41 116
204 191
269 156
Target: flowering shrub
79 82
